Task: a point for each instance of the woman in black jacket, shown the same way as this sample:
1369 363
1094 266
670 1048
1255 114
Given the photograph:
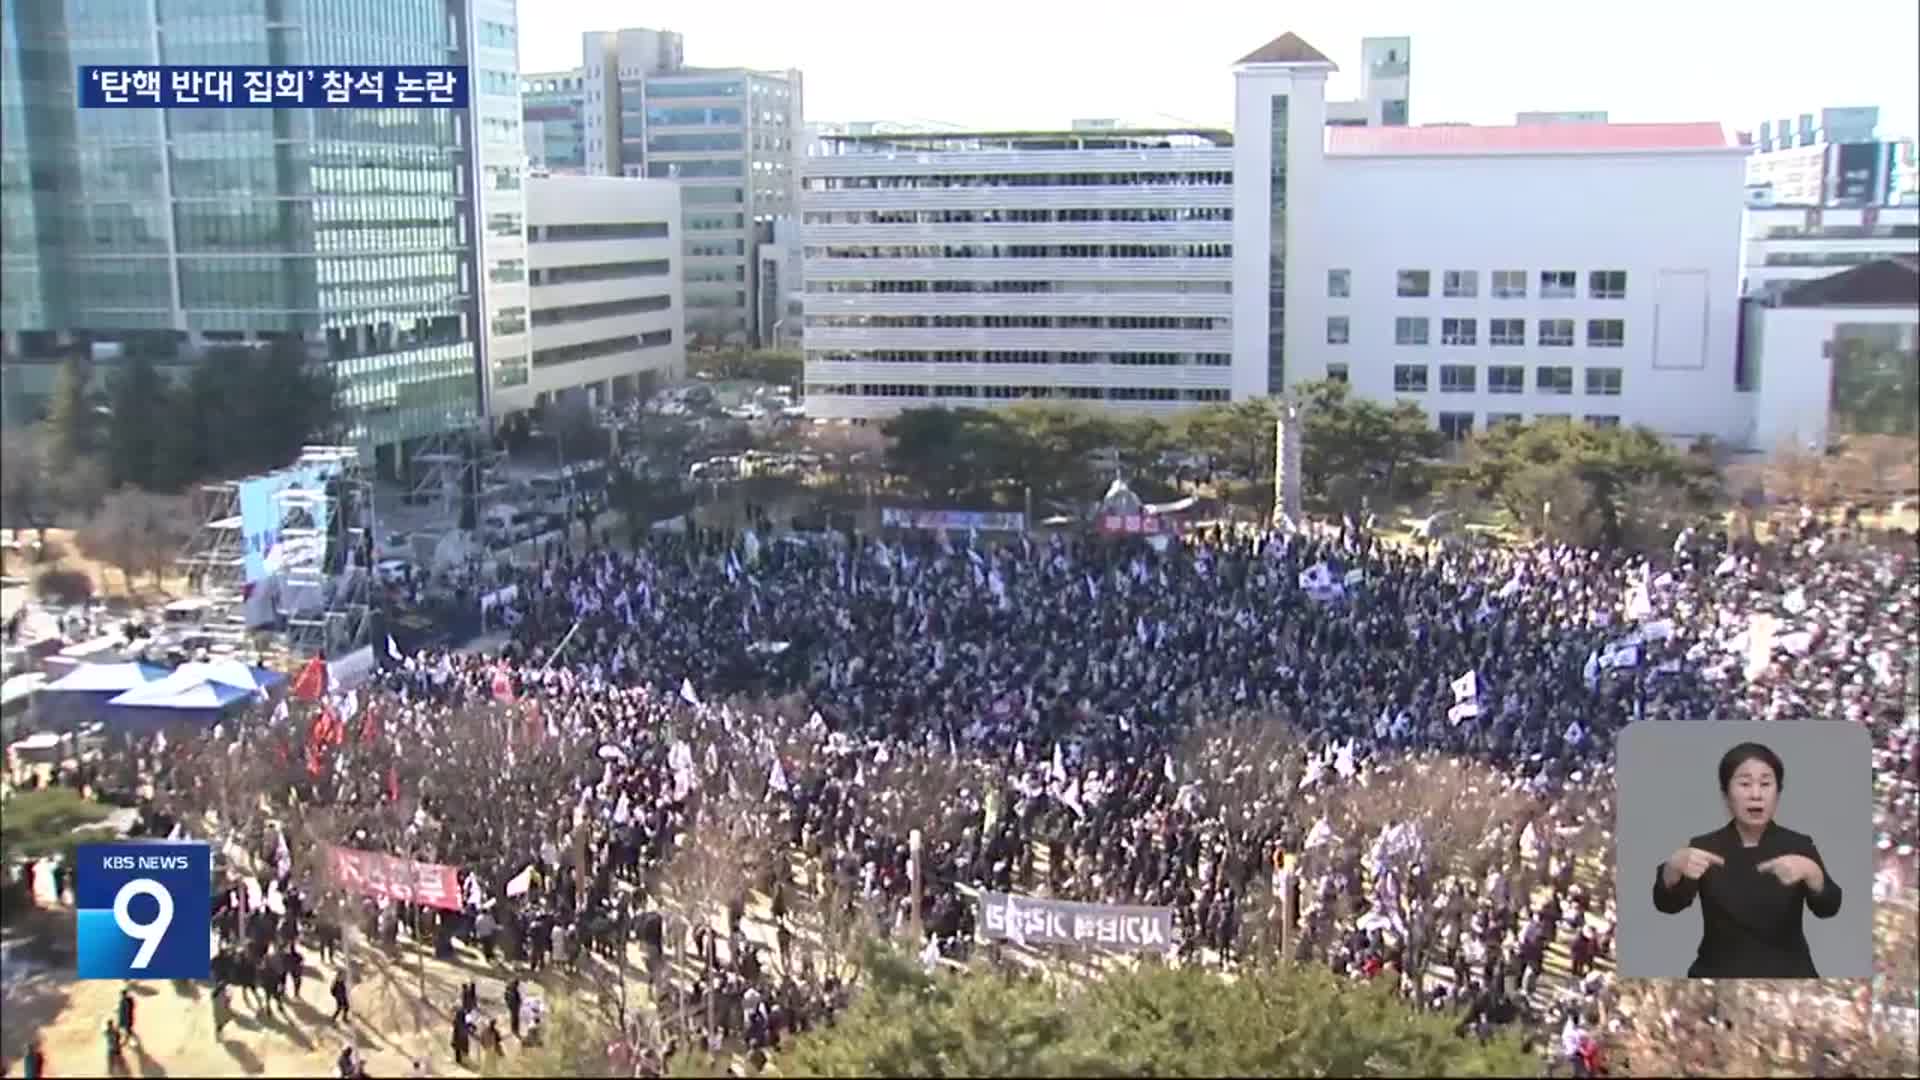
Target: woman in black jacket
1753 876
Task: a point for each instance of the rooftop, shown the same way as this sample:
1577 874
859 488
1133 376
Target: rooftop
950 141
1527 139
1288 48
1891 282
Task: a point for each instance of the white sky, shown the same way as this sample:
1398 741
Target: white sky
1041 63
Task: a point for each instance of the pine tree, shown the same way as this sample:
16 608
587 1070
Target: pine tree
70 418
142 408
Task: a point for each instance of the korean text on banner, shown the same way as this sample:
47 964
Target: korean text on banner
392 878
1035 921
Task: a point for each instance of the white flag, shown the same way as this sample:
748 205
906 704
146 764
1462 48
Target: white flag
521 882
1795 602
1639 604
686 693
1465 710
393 650
1343 760
1057 772
1466 687
777 779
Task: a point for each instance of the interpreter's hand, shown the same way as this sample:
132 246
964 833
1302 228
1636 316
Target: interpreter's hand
1690 863
1795 870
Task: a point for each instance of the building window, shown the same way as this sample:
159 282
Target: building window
1336 329
1459 331
1458 379
1509 284
1414 282
1337 372
1606 333
1409 378
1507 332
1603 421
1339 284
1506 379
1460 284
1553 380
1552 418
1604 381
1558 284
1556 333
1456 425
1410 330
1496 419
1607 285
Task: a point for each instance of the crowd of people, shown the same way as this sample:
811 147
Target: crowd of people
1422 737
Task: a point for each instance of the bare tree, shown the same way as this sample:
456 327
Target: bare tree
1249 765
30 492
137 532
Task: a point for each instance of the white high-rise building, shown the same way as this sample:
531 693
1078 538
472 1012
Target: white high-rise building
499 158
974 269
602 271
1586 271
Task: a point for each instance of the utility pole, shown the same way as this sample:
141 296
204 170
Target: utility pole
914 841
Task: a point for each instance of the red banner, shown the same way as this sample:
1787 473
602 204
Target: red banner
394 878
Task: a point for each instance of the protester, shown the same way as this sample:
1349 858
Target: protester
1111 706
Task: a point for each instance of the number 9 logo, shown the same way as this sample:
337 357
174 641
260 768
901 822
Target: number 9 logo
149 934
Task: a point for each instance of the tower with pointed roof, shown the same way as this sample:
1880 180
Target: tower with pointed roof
1280 106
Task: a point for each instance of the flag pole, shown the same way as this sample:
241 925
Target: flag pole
558 649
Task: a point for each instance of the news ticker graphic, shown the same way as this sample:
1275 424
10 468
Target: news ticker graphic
270 86
144 910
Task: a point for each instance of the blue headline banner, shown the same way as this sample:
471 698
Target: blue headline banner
270 86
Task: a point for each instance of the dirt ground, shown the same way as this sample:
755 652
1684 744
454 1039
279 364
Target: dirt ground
173 1021
109 584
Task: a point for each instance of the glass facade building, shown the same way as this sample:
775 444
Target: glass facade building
555 109
354 231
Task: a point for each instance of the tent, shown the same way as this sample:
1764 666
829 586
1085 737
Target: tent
80 697
194 693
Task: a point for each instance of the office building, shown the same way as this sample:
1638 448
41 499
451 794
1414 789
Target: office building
1789 245
615 65
605 295
1444 265
977 269
732 137
497 178
782 303
1386 79
1833 158
554 107
347 232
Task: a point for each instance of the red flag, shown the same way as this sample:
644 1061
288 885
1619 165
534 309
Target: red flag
393 785
535 729
311 683
369 724
502 685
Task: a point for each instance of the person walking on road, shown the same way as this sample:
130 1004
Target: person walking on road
341 1009
116 1052
222 1010
126 1013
